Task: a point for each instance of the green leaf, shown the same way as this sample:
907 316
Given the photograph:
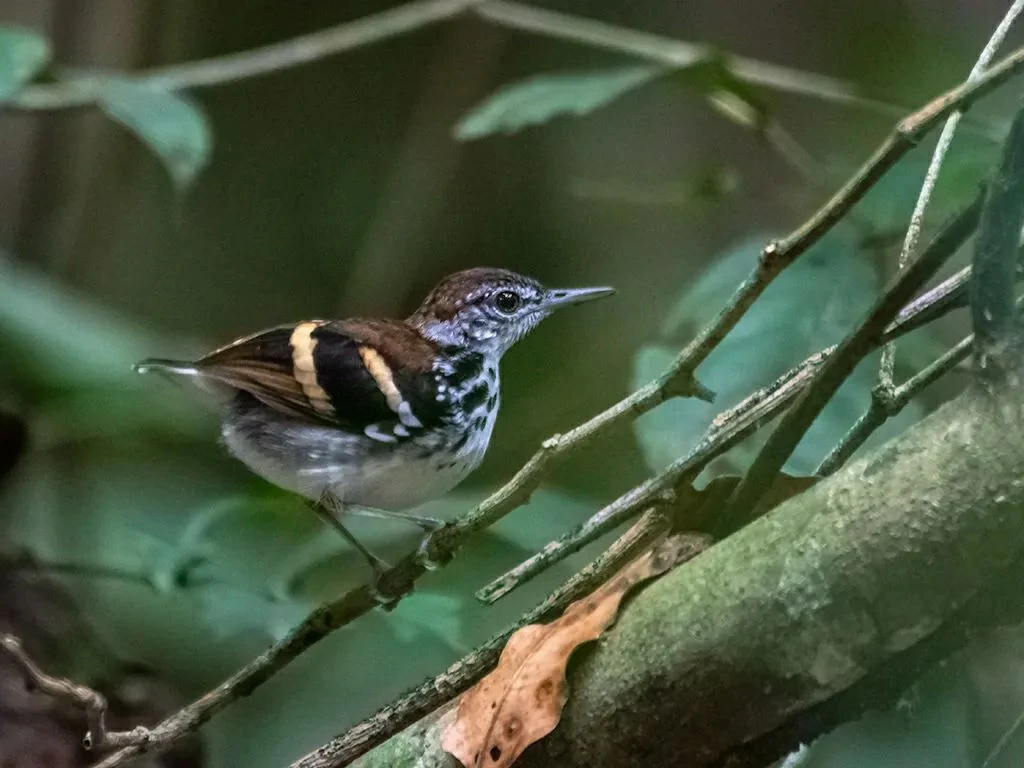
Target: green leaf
71 359
170 124
543 98
57 338
539 99
727 94
811 305
889 203
23 54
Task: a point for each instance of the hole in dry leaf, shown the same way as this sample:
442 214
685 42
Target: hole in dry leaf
495 754
545 690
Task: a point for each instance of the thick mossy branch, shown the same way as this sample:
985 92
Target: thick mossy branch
829 604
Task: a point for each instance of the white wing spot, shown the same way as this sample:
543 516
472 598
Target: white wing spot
407 417
374 432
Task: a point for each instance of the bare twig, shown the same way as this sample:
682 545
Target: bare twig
670 52
649 522
885 404
904 136
888 361
398 715
733 425
1004 741
27 561
82 90
850 352
678 380
91 702
570 543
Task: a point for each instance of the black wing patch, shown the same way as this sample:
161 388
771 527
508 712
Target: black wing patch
322 373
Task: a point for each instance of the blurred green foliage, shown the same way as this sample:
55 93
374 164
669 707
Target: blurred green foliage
284 220
171 124
22 54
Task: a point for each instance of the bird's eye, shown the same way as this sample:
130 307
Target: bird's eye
507 302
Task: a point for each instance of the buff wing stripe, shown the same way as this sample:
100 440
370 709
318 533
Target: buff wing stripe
381 372
303 346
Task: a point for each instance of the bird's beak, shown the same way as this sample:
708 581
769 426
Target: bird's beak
563 297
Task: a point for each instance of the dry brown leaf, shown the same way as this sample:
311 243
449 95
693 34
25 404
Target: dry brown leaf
521 701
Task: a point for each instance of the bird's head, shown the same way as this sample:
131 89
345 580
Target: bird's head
488 310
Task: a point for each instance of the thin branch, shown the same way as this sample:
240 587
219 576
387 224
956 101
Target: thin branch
82 697
670 52
678 380
949 294
732 426
1004 741
409 17
904 137
888 362
556 552
779 446
885 404
422 700
83 91
728 429
26 561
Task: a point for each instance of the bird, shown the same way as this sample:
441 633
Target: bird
374 416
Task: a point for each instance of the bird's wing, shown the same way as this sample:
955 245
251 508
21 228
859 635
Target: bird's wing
371 376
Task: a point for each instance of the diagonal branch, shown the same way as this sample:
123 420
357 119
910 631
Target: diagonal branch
427 697
791 429
885 369
409 17
801 621
885 404
677 381
734 425
93 703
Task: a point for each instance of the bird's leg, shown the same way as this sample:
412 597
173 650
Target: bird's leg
428 524
328 510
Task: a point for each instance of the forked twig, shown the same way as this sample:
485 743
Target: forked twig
93 703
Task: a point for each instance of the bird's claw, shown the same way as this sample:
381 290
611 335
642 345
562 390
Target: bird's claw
423 557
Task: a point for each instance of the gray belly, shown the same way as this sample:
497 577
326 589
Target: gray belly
313 460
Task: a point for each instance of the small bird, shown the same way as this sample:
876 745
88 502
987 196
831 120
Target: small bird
376 416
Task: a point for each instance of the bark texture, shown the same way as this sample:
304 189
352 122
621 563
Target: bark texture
832 603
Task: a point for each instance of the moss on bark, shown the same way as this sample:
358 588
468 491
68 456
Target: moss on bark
833 602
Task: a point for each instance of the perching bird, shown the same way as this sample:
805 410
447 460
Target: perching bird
375 416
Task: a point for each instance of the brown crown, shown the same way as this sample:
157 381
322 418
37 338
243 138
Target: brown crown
461 288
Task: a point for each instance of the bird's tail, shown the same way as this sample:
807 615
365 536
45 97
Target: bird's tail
169 367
